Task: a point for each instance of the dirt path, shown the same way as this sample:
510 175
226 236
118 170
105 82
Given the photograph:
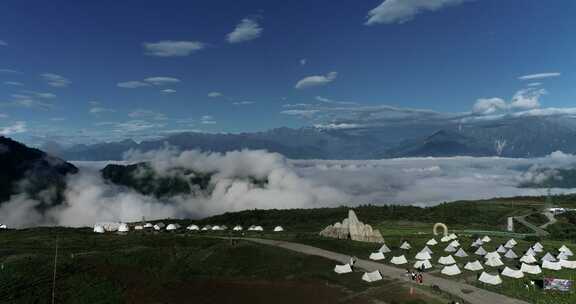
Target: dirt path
473 294
551 219
539 231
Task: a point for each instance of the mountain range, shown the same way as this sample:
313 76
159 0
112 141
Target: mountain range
517 137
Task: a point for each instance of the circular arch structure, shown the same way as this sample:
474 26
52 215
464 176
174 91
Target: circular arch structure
440 225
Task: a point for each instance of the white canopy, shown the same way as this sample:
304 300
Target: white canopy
450 248
461 253
372 276
426 249
423 255
494 262
567 252
473 266
432 242
528 259
453 236
512 273
278 229
237 228
342 269
537 245
531 252
258 228
193 227
551 265
377 256
138 227
548 257
123 227
159 226
405 246
490 279
445 239
398 260
477 243
426 263
510 243
492 254
384 249
455 243
501 249
98 229
207 227
568 264
216 228
446 260
531 269
510 254
171 227
563 248
562 256
451 270
480 251
148 225
486 239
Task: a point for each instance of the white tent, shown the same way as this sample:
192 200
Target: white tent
398 260
568 264
511 273
377 256
98 229
510 254
453 236
3 226
455 243
148 225
501 249
207 227
423 255
384 249
216 228
562 256
237 228
490 279
405 246
426 249
445 239
159 226
258 228
548 257
342 269
510 243
494 262
193 227
172 227
566 250
123 227
446 260
477 243
461 253
486 239
492 254
551 265
529 259
449 248
138 227
432 242
531 252
451 270
109 226
473 266
563 248
480 251
426 263
538 247
372 276
531 269
278 229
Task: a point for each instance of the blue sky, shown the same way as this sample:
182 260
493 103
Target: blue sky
88 71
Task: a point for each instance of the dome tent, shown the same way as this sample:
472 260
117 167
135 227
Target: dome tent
98 229
432 242
446 260
473 266
451 270
237 228
372 276
398 260
490 279
172 227
278 229
193 228
123 228
340 269
377 256
480 251
425 263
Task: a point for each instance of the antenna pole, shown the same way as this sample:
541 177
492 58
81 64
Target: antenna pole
54 275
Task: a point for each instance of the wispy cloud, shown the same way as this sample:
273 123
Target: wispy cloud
133 84
539 76
13 83
3 43
9 71
168 91
207 120
162 80
400 11
243 103
150 81
55 80
17 127
170 48
3 115
100 110
248 29
147 114
303 61
316 80
215 94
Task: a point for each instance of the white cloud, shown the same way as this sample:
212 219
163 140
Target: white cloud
527 99
17 127
9 71
100 110
485 106
215 94
161 81
539 76
13 83
337 126
303 113
243 103
207 120
55 80
42 95
169 48
246 30
2 115
168 91
534 84
303 61
317 80
3 43
147 114
400 11
133 84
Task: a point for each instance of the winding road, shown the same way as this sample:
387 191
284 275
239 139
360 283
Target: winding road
473 295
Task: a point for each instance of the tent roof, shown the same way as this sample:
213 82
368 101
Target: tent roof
461 253
377 256
405 246
532 269
446 260
494 262
552 265
372 276
398 260
343 268
512 273
473 266
510 254
451 270
490 279
384 249
432 242
480 251
548 257
528 259
426 263
423 255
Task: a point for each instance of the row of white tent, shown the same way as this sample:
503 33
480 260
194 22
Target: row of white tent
367 276
123 227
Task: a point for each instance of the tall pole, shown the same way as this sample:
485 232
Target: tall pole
54 275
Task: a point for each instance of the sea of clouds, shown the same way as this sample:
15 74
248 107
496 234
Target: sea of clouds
291 184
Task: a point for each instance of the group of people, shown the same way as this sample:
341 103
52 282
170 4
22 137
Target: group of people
416 276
